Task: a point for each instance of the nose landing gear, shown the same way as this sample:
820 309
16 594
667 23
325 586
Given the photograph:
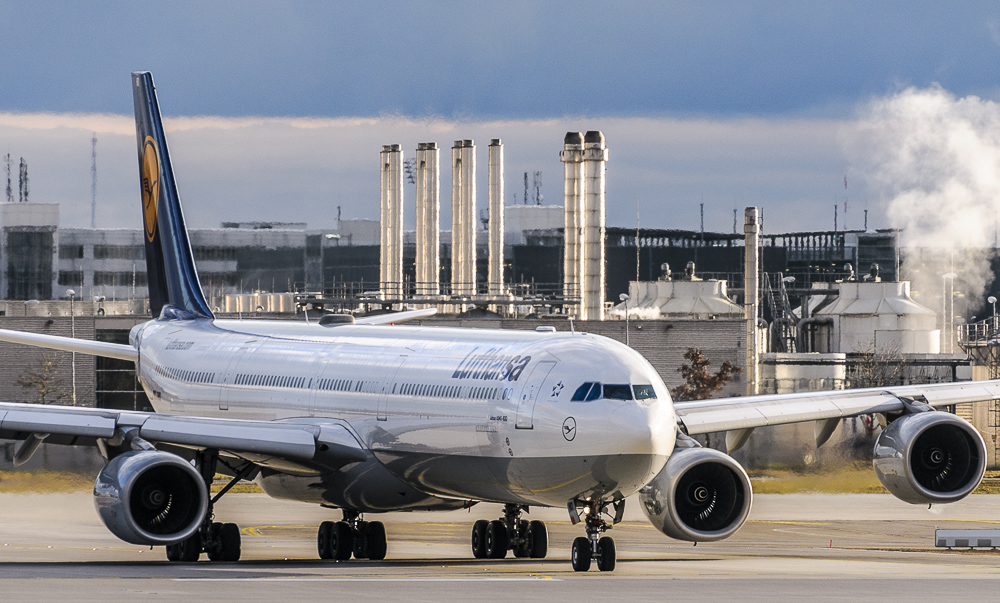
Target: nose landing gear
492 539
593 546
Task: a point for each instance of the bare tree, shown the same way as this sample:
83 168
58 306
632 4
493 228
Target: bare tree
698 383
876 366
45 380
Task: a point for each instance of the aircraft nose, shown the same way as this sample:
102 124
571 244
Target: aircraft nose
644 429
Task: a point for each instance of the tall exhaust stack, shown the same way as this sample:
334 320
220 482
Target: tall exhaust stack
463 218
751 287
573 184
428 260
595 158
496 218
391 250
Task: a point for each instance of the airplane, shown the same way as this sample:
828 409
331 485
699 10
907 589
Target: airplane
365 416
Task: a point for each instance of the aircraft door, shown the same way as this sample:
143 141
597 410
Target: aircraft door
529 394
227 393
387 388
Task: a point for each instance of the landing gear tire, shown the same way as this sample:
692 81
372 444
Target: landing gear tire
341 541
377 544
323 538
479 538
186 550
496 540
581 555
606 554
523 549
538 538
231 548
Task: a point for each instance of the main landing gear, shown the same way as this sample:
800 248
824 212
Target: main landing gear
351 536
593 546
221 541
492 539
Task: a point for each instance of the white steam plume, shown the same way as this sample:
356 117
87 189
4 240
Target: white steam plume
933 161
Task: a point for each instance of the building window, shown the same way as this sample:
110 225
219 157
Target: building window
70 278
70 252
119 279
119 252
214 254
116 384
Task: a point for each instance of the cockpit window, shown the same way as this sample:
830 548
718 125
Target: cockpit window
618 392
595 392
644 392
581 392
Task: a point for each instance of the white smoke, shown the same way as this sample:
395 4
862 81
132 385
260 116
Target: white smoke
933 161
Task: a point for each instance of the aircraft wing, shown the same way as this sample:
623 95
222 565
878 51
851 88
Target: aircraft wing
744 413
279 443
69 344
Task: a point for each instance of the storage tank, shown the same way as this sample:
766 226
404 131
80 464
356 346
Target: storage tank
880 314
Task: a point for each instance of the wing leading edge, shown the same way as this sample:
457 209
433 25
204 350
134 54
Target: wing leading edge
743 413
329 442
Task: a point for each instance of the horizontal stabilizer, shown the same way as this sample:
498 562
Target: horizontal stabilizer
396 317
69 344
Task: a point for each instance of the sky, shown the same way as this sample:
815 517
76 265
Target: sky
278 110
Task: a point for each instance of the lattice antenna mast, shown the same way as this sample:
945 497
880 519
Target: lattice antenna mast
10 191
93 181
538 188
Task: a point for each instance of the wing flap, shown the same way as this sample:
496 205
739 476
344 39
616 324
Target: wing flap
259 437
53 421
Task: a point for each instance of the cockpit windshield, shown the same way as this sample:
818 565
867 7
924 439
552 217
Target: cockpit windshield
590 391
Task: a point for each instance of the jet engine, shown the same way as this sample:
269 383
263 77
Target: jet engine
701 495
150 497
930 457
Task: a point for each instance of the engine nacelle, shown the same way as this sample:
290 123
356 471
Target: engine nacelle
930 457
701 495
150 497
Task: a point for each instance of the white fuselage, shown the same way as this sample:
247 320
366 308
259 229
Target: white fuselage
469 414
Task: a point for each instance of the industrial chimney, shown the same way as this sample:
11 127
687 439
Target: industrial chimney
573 183
428 260
391 215
592 219
496 218
463 218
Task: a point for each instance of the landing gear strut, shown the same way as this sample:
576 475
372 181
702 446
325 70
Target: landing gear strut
221 541
351 536
593 546
492 539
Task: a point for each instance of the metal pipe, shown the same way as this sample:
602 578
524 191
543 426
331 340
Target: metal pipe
751 276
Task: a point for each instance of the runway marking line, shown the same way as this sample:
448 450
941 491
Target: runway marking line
380 579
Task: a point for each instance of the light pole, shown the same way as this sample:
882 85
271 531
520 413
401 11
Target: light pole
72 326
993 301
624 298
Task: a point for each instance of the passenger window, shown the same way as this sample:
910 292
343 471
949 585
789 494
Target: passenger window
618 392
644 392
581 392
595 392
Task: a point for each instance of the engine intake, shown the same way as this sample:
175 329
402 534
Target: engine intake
701 495
930 457
150 497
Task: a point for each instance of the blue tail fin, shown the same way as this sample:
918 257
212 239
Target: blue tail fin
173 279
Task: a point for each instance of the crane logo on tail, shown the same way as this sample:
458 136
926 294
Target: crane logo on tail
150 186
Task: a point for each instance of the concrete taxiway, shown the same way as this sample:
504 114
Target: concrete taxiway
824 547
